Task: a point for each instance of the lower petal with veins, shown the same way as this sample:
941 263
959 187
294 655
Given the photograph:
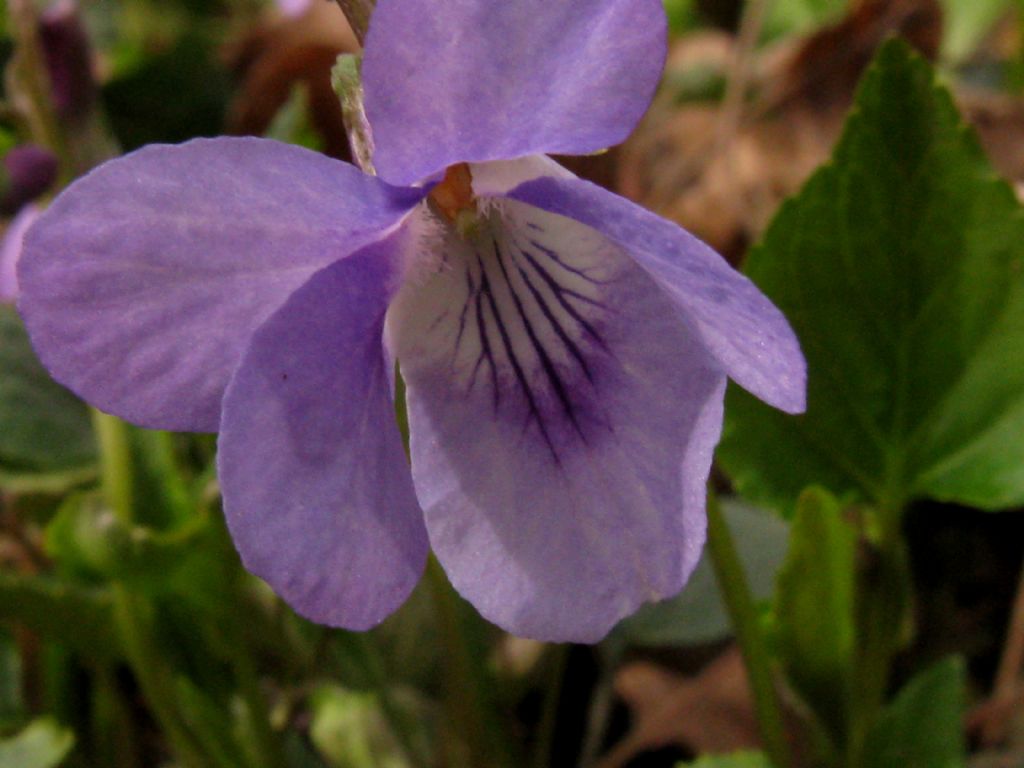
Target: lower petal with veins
562 421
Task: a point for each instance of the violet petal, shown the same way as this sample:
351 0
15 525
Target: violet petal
10 251
482 80
317 491
562 419
142 283
739 326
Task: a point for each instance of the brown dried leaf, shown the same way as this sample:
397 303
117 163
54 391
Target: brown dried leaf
283 53
712 712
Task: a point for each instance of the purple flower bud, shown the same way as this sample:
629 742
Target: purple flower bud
68 59
28 171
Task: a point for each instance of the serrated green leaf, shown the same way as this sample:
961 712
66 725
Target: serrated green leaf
697 615
732 760
42 744
922 727
814 611
43 427
901 267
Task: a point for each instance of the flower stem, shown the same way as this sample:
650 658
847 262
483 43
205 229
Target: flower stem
470 713
883 621
733 583
552 698
132 612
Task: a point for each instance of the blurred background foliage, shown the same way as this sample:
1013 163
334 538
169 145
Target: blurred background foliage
131 637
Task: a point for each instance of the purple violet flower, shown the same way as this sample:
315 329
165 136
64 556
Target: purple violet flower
565 352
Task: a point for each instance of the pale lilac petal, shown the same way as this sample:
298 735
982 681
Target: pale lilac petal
744 331
483 80
317 490
143 281
10 251
563 420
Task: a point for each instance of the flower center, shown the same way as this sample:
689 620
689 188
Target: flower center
454 200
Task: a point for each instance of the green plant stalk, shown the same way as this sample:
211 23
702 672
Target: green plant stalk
154 677
132 613
268 745
552 697
401 725
883 599
470 711
114 728
732 581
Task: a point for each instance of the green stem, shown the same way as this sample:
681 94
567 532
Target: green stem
469 710
268 745
116 464
132 613
372 663
882 611
733 583
155 678
552 698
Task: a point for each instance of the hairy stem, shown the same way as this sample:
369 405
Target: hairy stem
736 592
132 612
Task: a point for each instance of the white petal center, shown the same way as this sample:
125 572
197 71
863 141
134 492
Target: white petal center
515 311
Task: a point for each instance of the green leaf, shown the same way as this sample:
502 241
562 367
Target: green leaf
42 744
697 615
922 727
733 760
80 618
901 267
682 15
43 427
814 613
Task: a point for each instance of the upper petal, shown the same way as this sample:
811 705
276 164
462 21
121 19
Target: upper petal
141 284
476 80
562 421
745 332
317 491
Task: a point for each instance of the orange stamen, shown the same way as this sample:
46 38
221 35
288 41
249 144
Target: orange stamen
455 192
